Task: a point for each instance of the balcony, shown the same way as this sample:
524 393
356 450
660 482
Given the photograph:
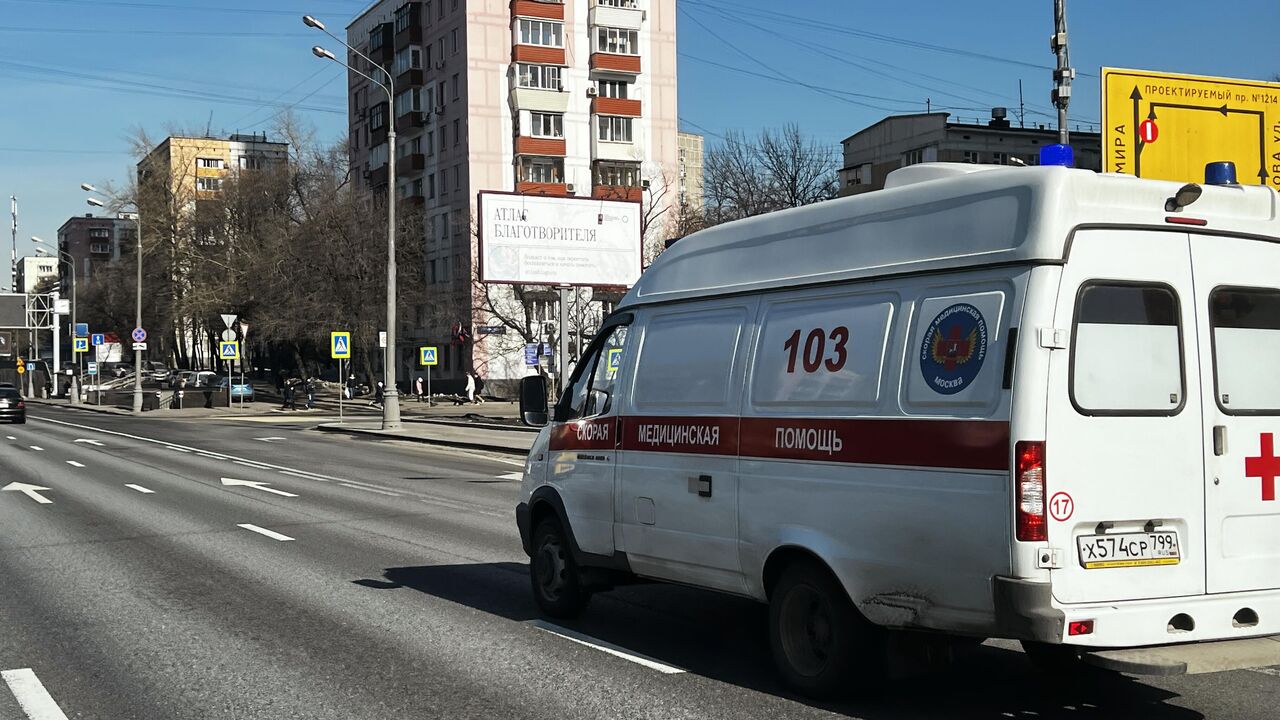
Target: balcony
538 54
415 162
545 9
617 192
538 99
541 188
385 51
410 120
412 77
378 177
615 106
411 35
525 145
610 62
619 17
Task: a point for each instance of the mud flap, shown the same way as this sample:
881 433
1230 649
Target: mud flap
1191 658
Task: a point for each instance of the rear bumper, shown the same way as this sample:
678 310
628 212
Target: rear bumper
12 414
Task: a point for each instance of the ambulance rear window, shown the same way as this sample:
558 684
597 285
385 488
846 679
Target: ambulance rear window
1246 329
1126 357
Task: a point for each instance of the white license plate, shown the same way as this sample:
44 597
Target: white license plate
1128 549
4 403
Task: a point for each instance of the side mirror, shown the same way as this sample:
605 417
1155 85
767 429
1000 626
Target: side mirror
533 400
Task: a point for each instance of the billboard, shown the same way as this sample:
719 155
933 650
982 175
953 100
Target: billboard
13 311
539 240
1167 126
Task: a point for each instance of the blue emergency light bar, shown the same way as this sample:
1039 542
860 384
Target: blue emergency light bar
1058 154
1220 173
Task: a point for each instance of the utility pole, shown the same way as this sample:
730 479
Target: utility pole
1063 74
13 252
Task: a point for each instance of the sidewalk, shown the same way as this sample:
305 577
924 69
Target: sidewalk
470 436
250 410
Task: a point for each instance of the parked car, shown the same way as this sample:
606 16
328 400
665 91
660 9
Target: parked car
205 378
156 370
239 391
12 408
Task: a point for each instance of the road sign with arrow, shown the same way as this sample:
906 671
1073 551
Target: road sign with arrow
1166 126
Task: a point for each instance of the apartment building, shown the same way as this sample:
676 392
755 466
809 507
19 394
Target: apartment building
690 187
33 270
547 97
197 166
900 140
93 242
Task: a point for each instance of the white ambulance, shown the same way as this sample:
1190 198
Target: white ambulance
1028 403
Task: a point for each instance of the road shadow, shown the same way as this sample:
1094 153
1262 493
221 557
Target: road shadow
724 638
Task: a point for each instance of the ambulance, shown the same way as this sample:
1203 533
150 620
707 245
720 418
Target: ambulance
986 402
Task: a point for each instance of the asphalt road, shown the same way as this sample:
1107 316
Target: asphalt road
136 591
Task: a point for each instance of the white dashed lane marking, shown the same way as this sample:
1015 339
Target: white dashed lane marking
140 489
37 448
35 701
369 489
73 463
263 531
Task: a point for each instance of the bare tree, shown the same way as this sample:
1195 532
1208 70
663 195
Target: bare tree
779 169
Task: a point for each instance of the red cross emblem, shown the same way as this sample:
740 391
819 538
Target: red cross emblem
953 350
1266 466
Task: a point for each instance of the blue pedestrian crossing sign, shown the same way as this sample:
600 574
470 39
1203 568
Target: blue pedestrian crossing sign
97 339
340 345
615 360
81 345
229 350
427 356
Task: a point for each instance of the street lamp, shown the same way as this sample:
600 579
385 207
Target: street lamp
390 398
137 251
42 248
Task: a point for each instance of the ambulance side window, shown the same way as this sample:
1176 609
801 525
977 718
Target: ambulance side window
1126 353
687 360
1246 329
593 392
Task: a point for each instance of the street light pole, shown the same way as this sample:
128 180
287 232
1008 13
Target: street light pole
137 251
390 397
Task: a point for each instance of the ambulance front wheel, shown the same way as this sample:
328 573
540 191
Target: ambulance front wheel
821 645
556 578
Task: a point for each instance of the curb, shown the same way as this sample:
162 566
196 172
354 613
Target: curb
380 435
465 424
82 407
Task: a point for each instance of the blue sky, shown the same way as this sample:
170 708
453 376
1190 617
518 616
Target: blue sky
76 76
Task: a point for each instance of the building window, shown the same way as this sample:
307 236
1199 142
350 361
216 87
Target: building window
541 169
362 99
616 173
619 3
251 162
541 32
457 181
409 58
99 233
457 131
100 248
207 184
402 18
444 182
444 134
614 129
378 157
972 156
211 163
613 88
375 38
453 38
407 102
617 41
913 157
1000 158
457 86
431 186
542 77
377 117
547 125
431 143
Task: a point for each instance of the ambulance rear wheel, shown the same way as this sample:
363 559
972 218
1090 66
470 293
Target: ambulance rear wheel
556 579
821 645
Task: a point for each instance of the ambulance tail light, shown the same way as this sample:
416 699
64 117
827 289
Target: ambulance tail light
1080 627
1029 484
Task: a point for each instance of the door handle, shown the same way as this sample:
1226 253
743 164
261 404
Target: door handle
1219 440
700 485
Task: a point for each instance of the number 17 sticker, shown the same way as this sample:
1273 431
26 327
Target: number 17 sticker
1061 506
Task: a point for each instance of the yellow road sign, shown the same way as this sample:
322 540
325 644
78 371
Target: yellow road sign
428 356
228 350
22 367
340 345
1166 126
81 345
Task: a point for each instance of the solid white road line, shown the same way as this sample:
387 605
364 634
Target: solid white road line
140 489
269 439
35 701
603 646
263 531
37 448
87 441
511 476
256 485
73 463
253 465
369 489
304 476
177 449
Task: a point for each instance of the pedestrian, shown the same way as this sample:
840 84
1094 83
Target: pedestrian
418 387
378 392
350 388
471 388
311 393
479 393
286 393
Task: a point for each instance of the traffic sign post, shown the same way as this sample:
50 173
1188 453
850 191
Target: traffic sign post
81 345
1166 126
97 339
82 330
229 351
139 335
340 350
428 357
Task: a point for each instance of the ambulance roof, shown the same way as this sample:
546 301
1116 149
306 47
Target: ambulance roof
932 217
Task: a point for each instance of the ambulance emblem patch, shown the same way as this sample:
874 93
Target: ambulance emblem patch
954 347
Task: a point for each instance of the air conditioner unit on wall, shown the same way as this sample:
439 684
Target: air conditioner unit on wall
569 188
592 92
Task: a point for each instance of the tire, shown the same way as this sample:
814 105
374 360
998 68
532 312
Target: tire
20 421
553 574
821 645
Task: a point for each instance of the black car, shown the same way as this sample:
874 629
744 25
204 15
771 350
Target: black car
12 408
